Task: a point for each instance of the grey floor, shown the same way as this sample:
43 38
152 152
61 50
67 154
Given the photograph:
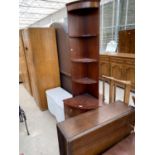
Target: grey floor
42 125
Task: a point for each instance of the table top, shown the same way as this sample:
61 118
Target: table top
95 118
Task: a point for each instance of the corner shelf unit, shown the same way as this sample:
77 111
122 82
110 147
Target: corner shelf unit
83 30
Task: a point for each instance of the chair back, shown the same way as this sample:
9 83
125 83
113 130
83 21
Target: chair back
113 83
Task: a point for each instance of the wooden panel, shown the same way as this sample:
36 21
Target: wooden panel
63 54
23 65
117 71
118 65
40 44
125 147
104 68
130 74
95 131
126 42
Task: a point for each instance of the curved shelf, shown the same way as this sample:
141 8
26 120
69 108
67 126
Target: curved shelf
83 35
85 101
85 80
84 60
81 5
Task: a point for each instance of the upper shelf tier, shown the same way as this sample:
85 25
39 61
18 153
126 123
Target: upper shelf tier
81 5
84 60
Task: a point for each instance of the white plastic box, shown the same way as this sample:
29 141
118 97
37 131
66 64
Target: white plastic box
55 99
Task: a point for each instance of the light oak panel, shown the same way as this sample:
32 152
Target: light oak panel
41 55
23 65
118 65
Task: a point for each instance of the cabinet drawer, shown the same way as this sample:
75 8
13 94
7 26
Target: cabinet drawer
123 60
130 61
117 60
104 58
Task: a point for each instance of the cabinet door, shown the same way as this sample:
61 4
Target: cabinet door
117 71
104 69
23 65
130 74
30 64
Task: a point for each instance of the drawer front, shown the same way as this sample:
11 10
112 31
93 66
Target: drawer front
117 60
129 61
104 58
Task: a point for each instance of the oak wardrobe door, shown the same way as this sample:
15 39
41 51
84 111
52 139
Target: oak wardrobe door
43 62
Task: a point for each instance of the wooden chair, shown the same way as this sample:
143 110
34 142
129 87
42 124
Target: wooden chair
113 83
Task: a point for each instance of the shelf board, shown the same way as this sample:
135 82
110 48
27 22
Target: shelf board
84 6
85 80
83 36
84 60
84 101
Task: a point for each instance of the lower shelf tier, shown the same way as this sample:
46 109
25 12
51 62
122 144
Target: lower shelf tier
85 102
85 80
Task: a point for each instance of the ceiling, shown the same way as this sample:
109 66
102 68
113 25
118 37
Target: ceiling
30 11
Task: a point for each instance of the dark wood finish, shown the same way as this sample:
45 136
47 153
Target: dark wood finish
126 41
42 60
118 65
80 104
83 30
95 131
63 54
125 147
23 65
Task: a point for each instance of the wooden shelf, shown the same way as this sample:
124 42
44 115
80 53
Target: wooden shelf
83 36
85 80
84 101
84 60
75 7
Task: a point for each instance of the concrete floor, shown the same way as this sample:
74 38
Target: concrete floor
42 125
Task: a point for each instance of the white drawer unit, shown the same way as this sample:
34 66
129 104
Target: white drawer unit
55 99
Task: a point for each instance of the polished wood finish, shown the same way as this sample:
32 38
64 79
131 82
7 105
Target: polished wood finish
112 89
95 131
63 54
124 147
42 60
118 65
24 72
80 104
126 41
83 30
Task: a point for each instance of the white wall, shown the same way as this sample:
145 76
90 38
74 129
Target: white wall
55 17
